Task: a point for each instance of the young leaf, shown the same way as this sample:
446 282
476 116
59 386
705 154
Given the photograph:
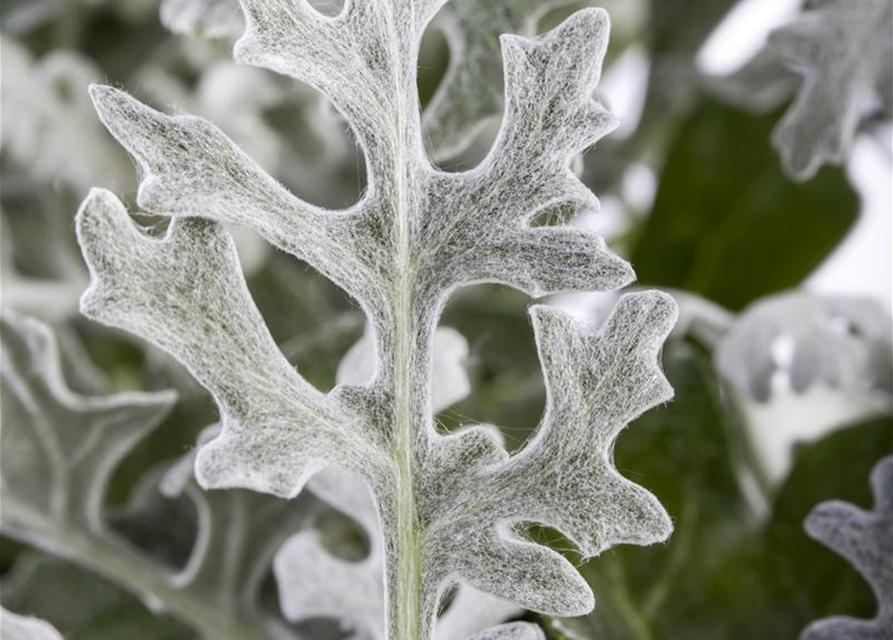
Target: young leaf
841 84
451 507
863 538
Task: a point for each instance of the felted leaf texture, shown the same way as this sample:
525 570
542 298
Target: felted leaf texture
314 582
16 627
863 538
469 95
843 50
452 508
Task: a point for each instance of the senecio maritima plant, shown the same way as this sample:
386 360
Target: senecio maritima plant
452 507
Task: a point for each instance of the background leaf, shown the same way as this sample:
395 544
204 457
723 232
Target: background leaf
727 223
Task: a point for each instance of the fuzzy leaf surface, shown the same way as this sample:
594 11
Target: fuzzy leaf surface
452 507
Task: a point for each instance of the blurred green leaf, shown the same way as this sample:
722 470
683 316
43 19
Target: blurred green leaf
727 223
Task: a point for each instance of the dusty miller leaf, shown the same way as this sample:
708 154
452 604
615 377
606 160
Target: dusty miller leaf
313 582
60 448
58 452
843 50
863 538
17 627
683 453
451 507
470 93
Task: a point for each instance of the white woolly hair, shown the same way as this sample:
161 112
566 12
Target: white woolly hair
451 507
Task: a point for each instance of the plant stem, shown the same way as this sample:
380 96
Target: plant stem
406 611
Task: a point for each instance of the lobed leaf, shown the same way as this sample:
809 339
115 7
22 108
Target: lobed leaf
842 85
313 582
451 506
863 538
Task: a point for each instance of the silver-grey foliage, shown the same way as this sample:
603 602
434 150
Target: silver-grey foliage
840 54
865 539
452 507
59 450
